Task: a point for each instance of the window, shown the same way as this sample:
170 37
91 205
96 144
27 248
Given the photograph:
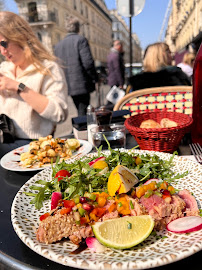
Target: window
86 12
55 11
75 5
39 36
81 8
32 12
58 38
93 17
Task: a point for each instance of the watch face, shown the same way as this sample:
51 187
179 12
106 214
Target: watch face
21 87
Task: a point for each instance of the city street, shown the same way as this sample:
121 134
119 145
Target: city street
66 127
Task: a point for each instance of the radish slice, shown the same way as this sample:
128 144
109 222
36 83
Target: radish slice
152 180
55 197
185 224
95 160
94 245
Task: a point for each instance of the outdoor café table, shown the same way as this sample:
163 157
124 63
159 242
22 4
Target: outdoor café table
14 254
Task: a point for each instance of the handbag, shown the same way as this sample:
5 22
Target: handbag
115 94
7 127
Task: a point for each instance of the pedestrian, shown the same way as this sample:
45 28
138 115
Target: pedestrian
33 90
78 64
158 70
115 64
187 64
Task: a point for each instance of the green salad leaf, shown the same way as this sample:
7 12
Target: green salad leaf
87 179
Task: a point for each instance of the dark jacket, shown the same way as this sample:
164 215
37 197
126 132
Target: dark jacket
168 76
116 69
78 64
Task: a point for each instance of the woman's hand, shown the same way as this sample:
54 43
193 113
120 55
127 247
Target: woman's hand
8 84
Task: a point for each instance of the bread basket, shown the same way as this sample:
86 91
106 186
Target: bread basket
159 139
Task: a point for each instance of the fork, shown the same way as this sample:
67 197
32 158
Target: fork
196 150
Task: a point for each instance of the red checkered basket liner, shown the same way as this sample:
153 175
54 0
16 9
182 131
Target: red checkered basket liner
159 139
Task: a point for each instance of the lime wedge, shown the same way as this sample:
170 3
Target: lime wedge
124 232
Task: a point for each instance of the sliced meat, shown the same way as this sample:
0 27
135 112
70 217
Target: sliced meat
82 233
152 201
56 227
163 211
137 209
111 215
191 204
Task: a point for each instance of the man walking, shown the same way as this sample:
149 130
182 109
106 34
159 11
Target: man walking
78 65
116 65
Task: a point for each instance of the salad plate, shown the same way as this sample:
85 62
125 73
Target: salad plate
156 250
11 160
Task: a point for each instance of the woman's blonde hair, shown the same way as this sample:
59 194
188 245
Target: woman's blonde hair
16 29
156 57
189 58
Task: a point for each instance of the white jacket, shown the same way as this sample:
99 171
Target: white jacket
28 123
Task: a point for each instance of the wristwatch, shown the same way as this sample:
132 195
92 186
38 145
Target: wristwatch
21 88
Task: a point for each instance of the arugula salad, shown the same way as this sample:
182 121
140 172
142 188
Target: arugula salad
79 177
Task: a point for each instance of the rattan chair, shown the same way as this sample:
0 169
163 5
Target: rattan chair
166 98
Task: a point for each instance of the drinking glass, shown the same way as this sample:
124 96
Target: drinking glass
115 134
103 116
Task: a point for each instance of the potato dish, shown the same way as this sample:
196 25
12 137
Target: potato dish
46 150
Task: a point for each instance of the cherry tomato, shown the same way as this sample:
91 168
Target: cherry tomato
61 174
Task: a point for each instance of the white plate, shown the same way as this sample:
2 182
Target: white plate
11 160
152 252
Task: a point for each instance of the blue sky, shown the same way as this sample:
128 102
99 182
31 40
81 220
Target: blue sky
146 25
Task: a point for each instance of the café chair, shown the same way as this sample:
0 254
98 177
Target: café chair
165 98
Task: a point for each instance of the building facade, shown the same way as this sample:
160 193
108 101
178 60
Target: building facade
184 30
120 31
46 17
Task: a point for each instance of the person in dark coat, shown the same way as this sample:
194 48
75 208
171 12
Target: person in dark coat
78 64
157 69
115 65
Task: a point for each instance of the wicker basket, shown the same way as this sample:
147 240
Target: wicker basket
161 139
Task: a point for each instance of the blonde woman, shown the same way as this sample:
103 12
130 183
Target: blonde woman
33 91
187 63
158 70
157 56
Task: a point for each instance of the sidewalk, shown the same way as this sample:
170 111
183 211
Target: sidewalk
66 127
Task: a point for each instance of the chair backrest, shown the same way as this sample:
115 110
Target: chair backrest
168 98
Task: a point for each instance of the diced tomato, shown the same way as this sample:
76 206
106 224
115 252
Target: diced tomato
64 211
44 216
61 174
112 207
99 212
83 220
165 193
68 203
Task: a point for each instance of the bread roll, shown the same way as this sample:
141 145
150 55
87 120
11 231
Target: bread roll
150 124
167 123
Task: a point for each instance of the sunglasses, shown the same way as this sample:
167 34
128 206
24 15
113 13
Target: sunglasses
4 44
